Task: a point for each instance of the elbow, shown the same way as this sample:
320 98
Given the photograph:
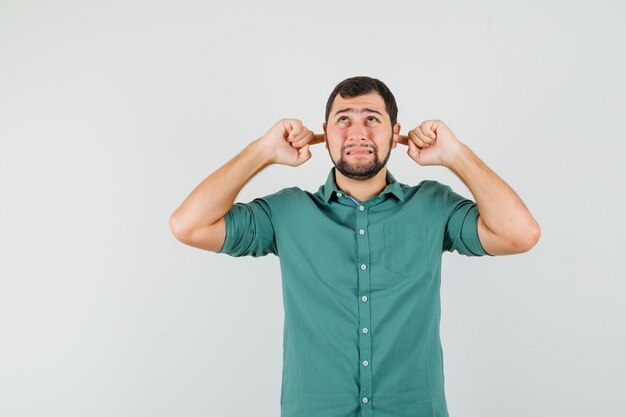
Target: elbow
177 228
532 238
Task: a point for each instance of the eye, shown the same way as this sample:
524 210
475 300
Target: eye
369 118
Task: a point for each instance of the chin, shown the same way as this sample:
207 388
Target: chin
358 172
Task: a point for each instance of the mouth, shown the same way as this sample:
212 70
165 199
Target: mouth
359 151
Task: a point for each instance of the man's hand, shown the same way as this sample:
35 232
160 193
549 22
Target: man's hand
287 142
431 143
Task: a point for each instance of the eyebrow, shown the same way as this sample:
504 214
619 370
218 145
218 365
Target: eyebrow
351 110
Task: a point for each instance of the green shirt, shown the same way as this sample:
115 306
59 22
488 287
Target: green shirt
361 298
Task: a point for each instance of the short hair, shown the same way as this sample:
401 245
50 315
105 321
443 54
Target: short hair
357 86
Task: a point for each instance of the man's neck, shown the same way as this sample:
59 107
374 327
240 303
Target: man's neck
362 190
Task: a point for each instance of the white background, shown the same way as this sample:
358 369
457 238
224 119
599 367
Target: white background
112 112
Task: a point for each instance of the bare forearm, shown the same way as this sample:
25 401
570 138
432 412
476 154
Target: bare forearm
215 195
500 208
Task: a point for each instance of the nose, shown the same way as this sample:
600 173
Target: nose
357 134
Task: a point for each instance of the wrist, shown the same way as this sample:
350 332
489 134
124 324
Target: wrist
262 151
456 156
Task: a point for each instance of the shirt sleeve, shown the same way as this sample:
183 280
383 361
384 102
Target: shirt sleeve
461 231
250 227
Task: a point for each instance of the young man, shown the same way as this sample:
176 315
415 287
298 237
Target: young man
361 257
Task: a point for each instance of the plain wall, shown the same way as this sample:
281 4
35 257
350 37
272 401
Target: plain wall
112 112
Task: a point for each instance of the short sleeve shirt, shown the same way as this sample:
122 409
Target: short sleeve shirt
361 297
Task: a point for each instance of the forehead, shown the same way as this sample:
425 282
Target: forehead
371 100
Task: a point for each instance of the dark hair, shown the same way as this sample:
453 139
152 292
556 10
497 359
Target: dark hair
357 86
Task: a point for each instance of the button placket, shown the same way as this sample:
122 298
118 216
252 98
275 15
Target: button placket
364 288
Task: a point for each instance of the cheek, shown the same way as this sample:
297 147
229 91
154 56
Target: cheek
335 145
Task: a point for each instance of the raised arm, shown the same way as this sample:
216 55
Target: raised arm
199 220
505 225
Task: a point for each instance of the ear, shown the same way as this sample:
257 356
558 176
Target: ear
396 135
325 136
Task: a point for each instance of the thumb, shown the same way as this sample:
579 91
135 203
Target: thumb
304 154
413 150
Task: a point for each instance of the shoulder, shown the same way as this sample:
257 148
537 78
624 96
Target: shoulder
279 196
426 190
435 186
291 192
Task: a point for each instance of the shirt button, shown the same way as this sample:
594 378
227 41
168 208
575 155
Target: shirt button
364 298
361 208
363 266
365 330
365 363
338 194
365 400
361 232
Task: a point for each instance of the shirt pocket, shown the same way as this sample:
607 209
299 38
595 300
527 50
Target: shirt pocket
405 247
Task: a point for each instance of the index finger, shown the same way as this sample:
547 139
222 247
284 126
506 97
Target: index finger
403 140
317 138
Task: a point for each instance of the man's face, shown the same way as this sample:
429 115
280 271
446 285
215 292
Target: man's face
359 136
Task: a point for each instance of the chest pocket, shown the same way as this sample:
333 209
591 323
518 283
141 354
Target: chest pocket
406 248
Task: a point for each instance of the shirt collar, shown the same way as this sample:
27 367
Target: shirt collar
330 187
